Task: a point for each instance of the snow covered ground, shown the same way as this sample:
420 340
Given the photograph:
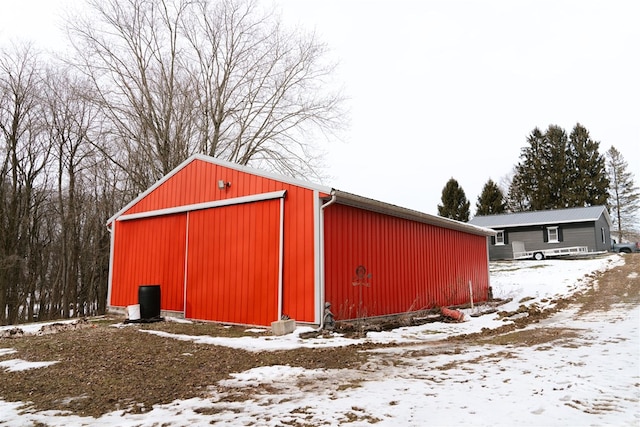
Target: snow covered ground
592 378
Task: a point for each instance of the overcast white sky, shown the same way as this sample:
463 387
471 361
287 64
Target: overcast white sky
449 88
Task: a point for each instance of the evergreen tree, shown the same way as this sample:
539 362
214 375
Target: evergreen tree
540 175
491 200
454 202
553 175
624 199
557 172
516 200
588 183
527 179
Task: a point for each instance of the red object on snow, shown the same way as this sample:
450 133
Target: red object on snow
452 314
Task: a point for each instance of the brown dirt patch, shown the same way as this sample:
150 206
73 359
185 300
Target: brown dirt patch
102 368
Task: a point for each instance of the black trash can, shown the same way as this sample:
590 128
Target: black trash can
149 300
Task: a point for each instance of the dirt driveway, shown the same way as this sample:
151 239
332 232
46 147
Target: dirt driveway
101 368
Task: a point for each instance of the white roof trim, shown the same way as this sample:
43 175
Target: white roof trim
206 205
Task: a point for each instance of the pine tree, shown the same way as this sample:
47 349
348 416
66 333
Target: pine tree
557 172
541 173
588 183
454 202
526 179
491 200
516 200
554 175
624 198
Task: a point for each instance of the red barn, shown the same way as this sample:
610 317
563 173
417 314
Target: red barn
233 244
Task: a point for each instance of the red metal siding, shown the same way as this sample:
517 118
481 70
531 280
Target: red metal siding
149 251
299 270
232 272
412 265
197 182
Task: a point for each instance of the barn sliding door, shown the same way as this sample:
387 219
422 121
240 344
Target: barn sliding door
149 251
233 256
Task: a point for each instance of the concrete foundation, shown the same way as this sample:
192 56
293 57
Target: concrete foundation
283 327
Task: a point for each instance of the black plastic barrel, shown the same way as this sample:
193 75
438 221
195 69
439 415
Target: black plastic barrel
149 300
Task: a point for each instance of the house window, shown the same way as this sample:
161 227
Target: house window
604 237
552 234
500 237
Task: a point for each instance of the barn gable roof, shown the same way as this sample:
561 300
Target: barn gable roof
341 197
555 216
223 163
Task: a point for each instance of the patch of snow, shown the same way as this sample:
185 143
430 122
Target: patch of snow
22 365
263 343
4 351
34 328
256 330
177 319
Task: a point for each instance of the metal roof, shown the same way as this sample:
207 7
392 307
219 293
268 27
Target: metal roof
555 216
361 202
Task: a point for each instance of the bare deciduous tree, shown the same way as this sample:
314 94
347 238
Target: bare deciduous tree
624 198
176 77
56 191
259 86
70 117
24 153
129 50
